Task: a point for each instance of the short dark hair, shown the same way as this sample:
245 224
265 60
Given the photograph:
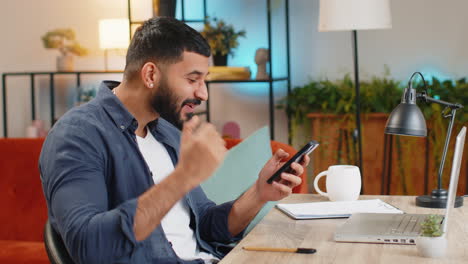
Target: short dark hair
162 40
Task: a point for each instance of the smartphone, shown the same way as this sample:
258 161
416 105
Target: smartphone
306 150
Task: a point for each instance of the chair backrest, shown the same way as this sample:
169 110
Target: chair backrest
55 247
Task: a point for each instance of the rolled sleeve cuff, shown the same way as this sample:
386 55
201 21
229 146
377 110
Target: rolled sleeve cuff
127 211
217 223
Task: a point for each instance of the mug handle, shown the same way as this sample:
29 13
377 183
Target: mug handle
317 178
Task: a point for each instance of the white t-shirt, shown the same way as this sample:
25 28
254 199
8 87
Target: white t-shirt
176 223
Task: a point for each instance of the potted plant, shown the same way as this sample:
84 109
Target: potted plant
222 39
432 242
65 41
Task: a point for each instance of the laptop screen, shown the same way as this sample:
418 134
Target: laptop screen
456 164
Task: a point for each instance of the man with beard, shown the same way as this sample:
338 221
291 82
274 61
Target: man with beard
121 179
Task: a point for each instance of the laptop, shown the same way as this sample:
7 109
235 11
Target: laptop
399 228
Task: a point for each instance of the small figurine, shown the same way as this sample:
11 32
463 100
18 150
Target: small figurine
261 59
231 130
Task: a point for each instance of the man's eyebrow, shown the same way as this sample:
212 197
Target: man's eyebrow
195 72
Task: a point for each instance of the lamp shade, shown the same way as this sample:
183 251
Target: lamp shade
407 119
114 33
354 15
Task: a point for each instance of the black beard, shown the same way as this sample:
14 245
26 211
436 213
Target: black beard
164 102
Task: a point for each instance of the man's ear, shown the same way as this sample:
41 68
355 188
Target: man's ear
150 75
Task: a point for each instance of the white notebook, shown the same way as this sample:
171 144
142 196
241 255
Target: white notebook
319 210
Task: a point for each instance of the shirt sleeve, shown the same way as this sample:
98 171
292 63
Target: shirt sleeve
213 223
72 169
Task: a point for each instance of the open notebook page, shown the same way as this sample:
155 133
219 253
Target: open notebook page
336 209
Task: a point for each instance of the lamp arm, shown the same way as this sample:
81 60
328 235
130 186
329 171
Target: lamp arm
447 141
426 98
453 106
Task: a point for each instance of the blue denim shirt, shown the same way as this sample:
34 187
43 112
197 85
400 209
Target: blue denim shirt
92 172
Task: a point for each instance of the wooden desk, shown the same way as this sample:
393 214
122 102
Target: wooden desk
278 230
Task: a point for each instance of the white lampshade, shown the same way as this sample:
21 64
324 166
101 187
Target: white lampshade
113 33
354 15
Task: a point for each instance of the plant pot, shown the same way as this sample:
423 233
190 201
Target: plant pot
165 8
65 63
220 60
431 247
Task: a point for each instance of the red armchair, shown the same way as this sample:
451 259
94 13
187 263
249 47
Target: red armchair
23 208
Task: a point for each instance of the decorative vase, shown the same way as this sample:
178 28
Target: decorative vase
261 58
431 247
164 8
220 60
65 63
31 132
39 124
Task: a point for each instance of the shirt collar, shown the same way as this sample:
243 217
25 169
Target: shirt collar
113 106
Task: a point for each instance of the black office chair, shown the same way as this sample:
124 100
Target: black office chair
55 247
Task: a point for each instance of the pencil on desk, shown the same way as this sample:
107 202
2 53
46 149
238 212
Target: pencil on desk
292 250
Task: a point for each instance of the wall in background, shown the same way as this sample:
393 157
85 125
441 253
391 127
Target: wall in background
427 35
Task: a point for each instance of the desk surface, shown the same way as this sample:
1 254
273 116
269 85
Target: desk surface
278 230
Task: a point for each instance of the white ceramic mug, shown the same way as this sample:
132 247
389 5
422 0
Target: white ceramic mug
343 183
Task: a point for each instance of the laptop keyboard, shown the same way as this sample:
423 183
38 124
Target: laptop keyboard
408 225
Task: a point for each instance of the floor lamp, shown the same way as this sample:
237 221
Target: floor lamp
339 15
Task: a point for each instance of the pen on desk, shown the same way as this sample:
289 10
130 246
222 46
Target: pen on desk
292 250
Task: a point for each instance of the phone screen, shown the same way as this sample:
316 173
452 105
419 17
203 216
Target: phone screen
308 148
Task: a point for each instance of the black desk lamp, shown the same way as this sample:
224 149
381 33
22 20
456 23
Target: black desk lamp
407 120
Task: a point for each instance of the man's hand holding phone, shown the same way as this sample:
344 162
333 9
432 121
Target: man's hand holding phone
284 176
297 158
